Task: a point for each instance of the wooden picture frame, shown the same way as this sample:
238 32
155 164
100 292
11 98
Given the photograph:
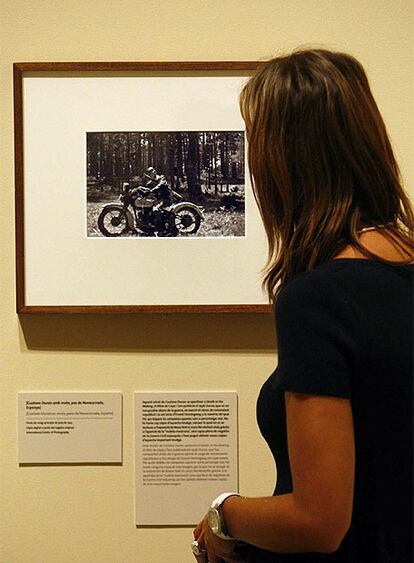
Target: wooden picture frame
50 95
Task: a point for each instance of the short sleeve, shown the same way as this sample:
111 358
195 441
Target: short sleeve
317 341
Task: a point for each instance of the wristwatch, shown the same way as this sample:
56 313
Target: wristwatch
216 518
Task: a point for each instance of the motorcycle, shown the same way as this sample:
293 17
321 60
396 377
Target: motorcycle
139 210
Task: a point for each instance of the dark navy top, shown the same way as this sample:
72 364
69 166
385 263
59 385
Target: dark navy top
345 329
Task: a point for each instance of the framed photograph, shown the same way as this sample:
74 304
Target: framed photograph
132 189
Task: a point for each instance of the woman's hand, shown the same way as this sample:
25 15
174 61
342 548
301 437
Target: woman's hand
218 550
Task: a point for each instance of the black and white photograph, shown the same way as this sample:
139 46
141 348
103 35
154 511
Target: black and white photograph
165 184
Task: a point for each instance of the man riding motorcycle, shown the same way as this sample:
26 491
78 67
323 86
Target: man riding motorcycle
151 209
164 219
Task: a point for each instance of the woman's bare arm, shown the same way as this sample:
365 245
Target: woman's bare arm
317 514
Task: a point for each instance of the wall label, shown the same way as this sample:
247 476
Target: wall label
70 427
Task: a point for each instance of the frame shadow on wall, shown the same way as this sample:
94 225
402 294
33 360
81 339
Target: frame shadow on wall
146 332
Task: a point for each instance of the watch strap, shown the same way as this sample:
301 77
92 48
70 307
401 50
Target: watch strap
217 502
217 505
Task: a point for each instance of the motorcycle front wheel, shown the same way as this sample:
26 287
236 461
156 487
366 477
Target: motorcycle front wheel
113 221
187 220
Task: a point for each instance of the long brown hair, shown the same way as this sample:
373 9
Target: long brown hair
321 163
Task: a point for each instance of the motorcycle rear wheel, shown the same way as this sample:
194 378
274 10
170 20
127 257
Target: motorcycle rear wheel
113 221
187 220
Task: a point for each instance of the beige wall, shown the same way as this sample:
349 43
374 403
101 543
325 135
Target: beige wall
86 514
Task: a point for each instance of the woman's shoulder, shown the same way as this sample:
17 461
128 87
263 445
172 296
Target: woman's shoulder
323 276
337 268
314 289
344 282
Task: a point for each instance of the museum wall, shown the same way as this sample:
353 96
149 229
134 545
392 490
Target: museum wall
61 514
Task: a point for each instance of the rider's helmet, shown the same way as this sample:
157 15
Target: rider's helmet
151 173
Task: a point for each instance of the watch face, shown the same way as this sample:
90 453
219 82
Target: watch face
214 520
